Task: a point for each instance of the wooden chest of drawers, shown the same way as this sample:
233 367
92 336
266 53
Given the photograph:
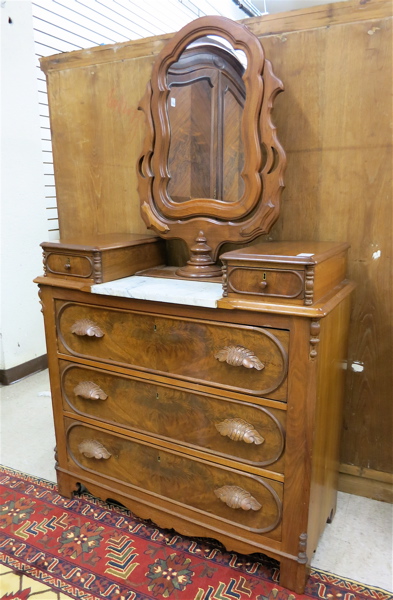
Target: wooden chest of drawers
101 257
291 272
214 422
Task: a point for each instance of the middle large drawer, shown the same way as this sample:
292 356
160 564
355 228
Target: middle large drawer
233 429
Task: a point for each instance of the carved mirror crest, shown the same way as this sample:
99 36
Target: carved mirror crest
211 170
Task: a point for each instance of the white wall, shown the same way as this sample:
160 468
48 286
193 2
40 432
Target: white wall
23 222
277 6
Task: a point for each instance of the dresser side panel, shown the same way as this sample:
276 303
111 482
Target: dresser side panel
47 301
332 353
123 262
299 435
329 274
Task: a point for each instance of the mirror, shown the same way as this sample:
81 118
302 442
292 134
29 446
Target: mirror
205 109
211 169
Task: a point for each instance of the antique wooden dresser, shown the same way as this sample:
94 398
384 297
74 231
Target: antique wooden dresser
206 397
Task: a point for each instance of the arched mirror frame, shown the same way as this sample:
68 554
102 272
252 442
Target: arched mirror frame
209 219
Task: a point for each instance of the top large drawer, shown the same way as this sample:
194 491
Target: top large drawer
245 359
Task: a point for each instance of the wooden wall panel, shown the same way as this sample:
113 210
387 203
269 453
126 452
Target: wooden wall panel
97 135
333 121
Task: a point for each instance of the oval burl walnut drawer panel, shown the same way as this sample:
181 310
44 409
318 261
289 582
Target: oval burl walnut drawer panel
247 501
67 264
280 283
236 357
233 429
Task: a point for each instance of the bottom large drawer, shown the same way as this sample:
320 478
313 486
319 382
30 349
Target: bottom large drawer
252 503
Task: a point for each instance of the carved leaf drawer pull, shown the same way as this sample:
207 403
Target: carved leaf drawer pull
89 391
238 356
87 327
239 430
235 497
93 449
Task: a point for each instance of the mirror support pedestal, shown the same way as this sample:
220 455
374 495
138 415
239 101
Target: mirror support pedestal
200 263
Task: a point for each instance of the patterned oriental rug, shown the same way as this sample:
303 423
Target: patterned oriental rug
55 548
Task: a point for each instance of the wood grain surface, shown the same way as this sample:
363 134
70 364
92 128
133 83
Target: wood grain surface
170 475
184 417
97 133
333 121
184 348
64 263
267 282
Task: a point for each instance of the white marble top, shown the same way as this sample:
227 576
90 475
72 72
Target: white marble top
175 291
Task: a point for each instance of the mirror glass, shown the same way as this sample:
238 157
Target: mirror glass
205 108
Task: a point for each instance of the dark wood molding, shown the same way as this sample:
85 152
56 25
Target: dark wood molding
8 376
315 328
369 483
